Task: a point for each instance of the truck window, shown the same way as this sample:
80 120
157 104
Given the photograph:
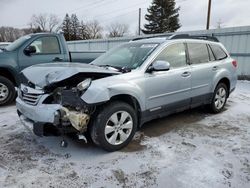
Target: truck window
198 53
175 54
218 52
46 45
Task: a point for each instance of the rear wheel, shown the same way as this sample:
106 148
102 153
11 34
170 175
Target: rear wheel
219 98
114 126
7 91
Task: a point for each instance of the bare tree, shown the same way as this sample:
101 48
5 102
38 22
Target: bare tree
93 30
45 22
39 21
117 30
9 34
54 22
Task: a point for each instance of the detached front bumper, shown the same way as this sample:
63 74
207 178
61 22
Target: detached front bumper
46 113
38 116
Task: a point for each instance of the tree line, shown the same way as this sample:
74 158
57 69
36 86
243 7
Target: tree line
162 16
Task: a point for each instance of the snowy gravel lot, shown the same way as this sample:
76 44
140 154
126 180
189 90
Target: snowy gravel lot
189 149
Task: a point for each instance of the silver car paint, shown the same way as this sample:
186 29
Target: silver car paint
159 88
151 90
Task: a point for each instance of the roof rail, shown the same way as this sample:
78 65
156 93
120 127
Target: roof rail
149 37
187 36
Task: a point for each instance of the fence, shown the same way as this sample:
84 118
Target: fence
235 39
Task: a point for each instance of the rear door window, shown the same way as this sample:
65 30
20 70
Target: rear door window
211 55
218 52
198 53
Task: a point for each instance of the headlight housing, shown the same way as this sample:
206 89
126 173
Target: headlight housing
84 84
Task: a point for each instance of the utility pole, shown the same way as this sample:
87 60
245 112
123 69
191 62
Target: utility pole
208 13
139 29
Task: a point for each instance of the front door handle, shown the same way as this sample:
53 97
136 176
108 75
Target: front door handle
186 74
57 59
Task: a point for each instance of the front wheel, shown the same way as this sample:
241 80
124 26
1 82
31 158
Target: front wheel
219 98
114 126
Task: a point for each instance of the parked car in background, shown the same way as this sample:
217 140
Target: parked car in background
4 44
31 50
114 95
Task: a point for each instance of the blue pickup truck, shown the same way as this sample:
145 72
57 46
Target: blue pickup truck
30 50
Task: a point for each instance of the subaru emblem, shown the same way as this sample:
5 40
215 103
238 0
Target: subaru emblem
25 90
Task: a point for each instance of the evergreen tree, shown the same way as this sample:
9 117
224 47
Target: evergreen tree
162 17
66 27
83 35
75 26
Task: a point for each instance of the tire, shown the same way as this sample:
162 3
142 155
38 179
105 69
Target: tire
114 126
219 98
7 91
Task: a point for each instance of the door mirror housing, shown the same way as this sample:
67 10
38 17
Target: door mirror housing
159 66
30 50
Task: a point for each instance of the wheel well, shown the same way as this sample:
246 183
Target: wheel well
7 74
132 101
226 82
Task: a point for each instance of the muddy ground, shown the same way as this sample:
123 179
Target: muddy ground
189 149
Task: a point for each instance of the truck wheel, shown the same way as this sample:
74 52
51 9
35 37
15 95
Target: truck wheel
219 98
114 126
7 91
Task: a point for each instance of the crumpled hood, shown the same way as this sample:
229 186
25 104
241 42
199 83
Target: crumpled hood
46 74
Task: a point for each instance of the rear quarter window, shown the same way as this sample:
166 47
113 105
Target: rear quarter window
219 53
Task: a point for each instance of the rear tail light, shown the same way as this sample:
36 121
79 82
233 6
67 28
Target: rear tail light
234 62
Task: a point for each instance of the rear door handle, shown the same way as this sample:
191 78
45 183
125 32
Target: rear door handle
215 68
186 74
57 59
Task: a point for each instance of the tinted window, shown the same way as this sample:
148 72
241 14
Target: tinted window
211 55
198 53
46 45
174 54
218 52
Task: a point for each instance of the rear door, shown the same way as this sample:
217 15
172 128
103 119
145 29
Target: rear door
47 50
169 90
201 70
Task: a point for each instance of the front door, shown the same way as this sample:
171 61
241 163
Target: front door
169 90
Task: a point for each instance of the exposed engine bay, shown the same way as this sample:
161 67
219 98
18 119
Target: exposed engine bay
63 88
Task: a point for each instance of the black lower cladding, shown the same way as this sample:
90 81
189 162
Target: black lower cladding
176 107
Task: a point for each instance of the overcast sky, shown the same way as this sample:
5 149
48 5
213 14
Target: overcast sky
193 13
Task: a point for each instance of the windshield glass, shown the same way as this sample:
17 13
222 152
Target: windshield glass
17 43
129 55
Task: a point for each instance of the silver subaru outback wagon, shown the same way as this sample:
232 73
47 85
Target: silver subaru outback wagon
110 98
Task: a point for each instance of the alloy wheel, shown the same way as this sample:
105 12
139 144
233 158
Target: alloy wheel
118 127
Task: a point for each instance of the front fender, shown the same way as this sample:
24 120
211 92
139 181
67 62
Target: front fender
101 92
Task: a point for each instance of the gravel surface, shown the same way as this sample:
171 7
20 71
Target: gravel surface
189 149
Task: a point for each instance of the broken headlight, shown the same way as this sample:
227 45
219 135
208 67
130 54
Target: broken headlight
84 84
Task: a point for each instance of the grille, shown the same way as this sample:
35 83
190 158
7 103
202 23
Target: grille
30 98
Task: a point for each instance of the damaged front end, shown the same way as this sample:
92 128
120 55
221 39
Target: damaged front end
53 105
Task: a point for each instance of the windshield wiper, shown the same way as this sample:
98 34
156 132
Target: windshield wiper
120 69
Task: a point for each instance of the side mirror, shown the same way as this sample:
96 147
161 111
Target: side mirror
159 66
30 50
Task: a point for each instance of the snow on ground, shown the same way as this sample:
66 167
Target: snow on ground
189 149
